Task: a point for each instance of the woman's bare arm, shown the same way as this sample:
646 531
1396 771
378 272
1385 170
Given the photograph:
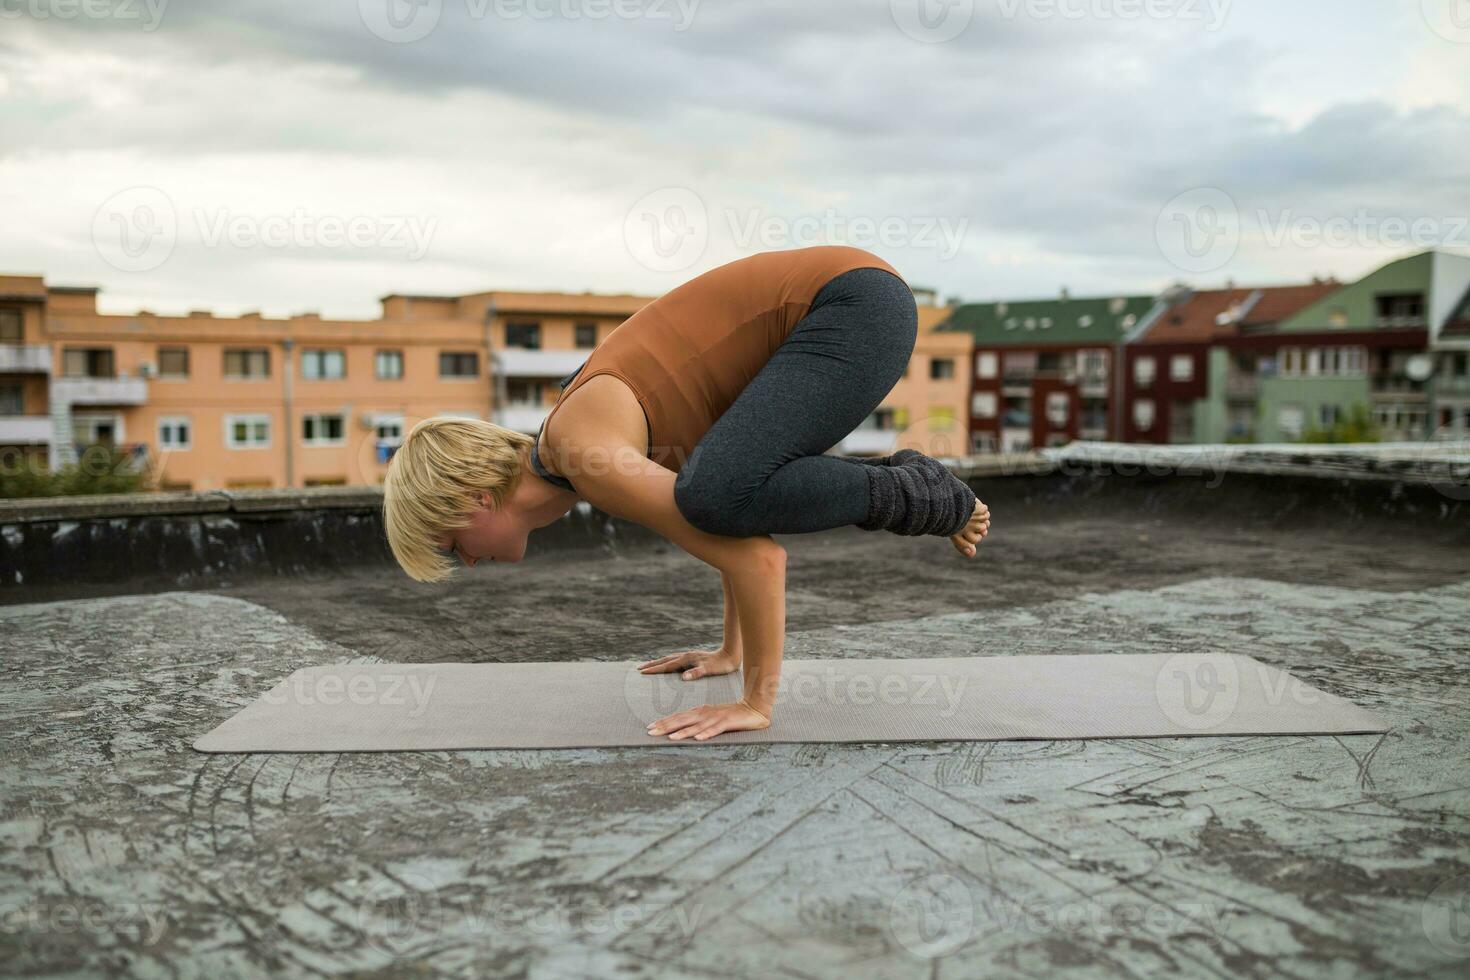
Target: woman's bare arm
623 482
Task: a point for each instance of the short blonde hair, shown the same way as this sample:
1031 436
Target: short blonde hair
434 480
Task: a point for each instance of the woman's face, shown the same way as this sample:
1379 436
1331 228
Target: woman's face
494 535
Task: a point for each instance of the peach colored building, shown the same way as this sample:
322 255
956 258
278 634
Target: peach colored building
212 402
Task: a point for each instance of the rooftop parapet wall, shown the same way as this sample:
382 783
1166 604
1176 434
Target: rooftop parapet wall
86 545
65 547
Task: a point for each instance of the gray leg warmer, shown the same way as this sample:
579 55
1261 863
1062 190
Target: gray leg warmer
910 493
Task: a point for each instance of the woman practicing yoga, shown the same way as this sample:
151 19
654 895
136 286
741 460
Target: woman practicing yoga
705 417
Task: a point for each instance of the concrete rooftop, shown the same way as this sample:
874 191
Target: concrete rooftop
125 853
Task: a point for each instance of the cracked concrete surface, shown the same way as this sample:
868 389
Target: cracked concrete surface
126 853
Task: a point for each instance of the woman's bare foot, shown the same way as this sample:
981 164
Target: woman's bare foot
969 539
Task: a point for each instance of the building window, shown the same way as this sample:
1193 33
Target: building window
173 362
247 362
173 432
1143 371
1056 408
321 429
12 400
586 335
325 481
12 327
941 369
1290 420
1327 416
519 391
982 442
247 431
1338 318
941 418
523 334
87 362
388 436
96 430
459 364
1401 310
983 405
1181 367
985 364
324 365
388 365
1143 414
1094 365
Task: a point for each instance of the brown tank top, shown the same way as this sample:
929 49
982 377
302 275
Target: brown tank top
688 354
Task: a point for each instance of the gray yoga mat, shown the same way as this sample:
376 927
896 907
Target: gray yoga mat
403 707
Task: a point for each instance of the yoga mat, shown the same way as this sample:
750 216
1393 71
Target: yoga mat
402 707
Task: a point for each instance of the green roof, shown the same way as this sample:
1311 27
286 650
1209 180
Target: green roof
1025 323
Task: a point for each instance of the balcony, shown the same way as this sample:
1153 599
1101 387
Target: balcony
1092 385
100 391
27 358
521 418
519 362
20 430
868 442
1239 385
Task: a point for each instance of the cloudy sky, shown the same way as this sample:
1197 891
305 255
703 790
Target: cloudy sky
288 156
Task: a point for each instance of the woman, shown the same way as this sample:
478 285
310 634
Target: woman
705 417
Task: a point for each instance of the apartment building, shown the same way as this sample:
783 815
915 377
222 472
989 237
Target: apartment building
212 402
926 408
1041 372
1266 365
1192 369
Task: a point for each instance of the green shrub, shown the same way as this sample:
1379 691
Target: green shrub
1359 426
98 469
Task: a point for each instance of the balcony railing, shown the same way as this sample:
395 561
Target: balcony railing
1242 385
519 362
868 442
1401 322
521 418
29 358
19 430
100 391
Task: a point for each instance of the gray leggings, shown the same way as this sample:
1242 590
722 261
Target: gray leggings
760 468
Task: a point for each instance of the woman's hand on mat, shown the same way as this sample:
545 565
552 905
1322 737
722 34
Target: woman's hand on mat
709 720
695 663
968 540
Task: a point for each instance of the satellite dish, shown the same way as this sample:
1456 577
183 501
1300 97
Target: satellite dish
1419 367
